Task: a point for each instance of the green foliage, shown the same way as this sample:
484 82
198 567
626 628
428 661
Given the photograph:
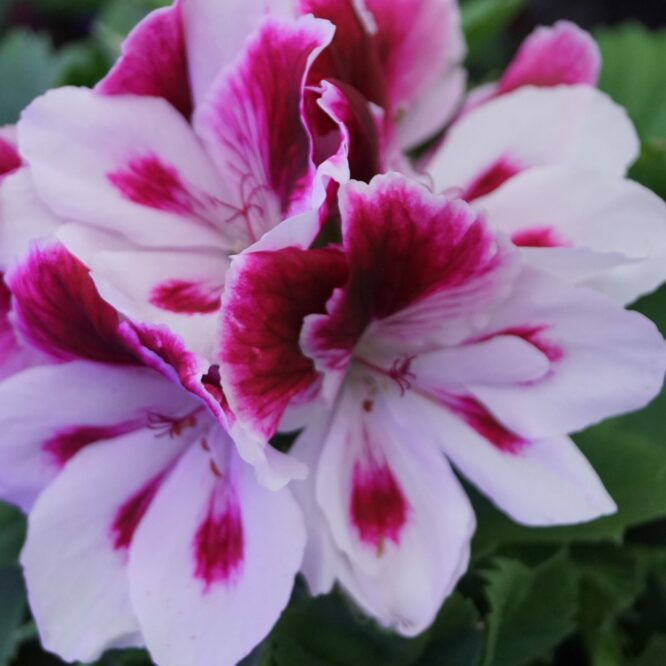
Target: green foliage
633 74
531 609
12 611
28 67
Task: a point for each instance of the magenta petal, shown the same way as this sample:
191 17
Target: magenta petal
59 311
153 61
251 122
563 54
267 297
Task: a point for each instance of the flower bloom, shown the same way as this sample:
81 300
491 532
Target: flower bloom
145 526
219 123
473 323
426 338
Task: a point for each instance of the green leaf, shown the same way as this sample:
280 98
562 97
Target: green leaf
653 655
12 534
325 631
456 637
531 609
485 19
12 610
611 579
634 75
28 67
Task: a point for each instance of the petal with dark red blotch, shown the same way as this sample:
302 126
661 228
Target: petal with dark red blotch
352 57
52 413
565 126
130 165
537 482
10 160
398 517
251 122
58 310
604 360
13 355
610 233
75 557
420 268
267 296
417 41
216 32
562 54
359 129
154 61
234 549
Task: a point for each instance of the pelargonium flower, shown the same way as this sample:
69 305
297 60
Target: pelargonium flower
199 142
145 527
547 167
426 338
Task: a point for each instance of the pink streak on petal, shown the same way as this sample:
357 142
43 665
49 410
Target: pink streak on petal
535 336
219 544
59 311
63 446
186 297
149 182
378 507
10 160
563 54
154 62
539 237
129 515
489 180
266 301
478 417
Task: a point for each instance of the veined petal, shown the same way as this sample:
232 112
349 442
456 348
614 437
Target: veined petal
550 56
76 551
58 311
422 268
359 154
216 32
571 208
251 123
79 404
543 482
234 549
604 360
565 125
14 356
417 40
128 164
352 57
154 61
266 298
396 511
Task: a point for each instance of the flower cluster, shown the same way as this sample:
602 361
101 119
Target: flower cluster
240 232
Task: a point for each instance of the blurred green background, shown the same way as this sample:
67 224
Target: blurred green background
593 594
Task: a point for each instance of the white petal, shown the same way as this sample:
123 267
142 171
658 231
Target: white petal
195 607
74 563
571 125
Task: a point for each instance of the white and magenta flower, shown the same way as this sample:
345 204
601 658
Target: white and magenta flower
425 338
235 267
219 122
145 526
